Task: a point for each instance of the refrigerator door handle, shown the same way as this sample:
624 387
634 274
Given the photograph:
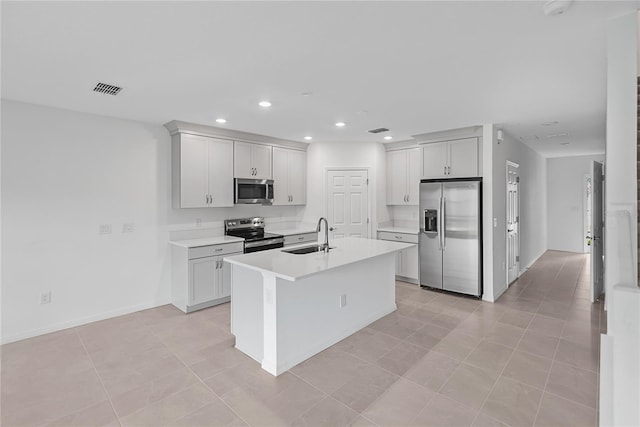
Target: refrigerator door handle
442 221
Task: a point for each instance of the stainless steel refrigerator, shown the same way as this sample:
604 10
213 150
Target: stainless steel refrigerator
450 243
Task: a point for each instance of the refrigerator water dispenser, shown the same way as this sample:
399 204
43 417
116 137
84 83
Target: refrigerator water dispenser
430 220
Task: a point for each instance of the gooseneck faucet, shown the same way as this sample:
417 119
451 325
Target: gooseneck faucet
325 246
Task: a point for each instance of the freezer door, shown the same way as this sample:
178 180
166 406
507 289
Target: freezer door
461 240
429 242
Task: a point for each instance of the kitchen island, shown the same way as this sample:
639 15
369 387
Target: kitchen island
286 307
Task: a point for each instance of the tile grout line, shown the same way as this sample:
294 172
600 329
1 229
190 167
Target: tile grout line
201 382
535 419
93 365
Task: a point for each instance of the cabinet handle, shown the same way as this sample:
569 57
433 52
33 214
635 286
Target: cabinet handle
300 238
407 198
219 249
445 170
398 237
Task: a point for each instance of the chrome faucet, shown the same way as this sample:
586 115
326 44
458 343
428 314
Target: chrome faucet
325 246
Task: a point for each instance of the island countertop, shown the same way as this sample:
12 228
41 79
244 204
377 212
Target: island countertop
293 267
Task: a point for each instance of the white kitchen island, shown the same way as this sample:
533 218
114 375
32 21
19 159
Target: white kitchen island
286 308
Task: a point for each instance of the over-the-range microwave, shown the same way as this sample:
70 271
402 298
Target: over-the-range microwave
254 191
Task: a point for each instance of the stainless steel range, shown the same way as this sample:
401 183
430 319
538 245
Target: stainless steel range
252 231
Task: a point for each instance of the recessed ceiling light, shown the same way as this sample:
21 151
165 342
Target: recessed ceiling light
551 123
341 124
388 137
221 120
308 138
265 104
564 143
306 93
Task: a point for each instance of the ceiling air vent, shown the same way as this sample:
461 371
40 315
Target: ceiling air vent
379 130
107 89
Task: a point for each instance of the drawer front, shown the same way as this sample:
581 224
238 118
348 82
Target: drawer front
205 251
300 238
398 237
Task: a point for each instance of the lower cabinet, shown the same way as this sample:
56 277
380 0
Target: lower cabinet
200 277
407 264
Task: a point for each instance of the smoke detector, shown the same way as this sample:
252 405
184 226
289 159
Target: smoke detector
556 7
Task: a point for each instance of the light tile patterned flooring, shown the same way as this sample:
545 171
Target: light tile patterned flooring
529 359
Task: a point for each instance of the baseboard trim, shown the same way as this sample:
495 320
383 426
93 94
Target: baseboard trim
83 321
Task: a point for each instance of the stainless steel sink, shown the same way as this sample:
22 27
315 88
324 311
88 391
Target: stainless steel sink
305 250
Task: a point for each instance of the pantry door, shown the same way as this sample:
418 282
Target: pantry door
348 202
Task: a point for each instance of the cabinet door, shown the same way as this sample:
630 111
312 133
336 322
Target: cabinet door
297 177
220 155
410 265
413 176
396 177
261 161
202 279
242 160
463 158
281 193
225 279
434 160
193 171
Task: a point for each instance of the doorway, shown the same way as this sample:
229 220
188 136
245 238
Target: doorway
513 221
348 202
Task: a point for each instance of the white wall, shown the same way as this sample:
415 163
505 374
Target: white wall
565 201
533 199
620 173
65 173
323 155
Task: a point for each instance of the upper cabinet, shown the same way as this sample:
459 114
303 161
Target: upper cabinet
289 176
403 176
450 159
251 160
202 171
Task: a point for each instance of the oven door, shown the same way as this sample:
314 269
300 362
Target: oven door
254 191
263 245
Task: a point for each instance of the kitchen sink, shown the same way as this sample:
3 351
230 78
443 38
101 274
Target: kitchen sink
305 250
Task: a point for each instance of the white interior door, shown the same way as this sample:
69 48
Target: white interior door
513 222
597 247
348 203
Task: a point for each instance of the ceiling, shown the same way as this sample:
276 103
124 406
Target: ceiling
413 67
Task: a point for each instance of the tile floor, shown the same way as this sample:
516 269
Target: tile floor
529 359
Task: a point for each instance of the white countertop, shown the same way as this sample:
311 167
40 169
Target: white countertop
292 267
206 241
404 230
290 231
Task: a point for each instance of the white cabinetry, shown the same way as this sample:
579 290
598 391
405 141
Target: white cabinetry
251 160
295 239
202 171
450 159
289 176
407 263
200 277
403 177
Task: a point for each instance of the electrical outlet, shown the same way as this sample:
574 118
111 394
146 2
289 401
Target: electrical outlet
198 222
343 300
45 297
127 227
495 222
105 228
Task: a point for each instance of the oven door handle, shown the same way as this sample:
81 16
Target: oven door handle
267 242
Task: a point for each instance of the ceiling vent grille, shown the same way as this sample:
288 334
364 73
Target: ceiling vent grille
379 130
107 89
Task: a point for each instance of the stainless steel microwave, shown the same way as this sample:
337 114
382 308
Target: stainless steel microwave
254 191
